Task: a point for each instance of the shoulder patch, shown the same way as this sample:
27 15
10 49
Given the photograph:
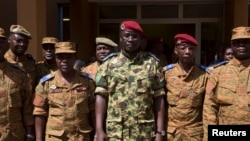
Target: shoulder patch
202 67
152 55
210 68
18 67
109 56
168 67
86 75
46 77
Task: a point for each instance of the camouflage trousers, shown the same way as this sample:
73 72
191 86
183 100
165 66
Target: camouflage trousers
69 137
137 139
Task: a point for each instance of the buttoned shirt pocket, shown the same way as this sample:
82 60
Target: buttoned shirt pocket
172 98
114 80
145 83
82 99
196 97
146 128
226 92
55 122
114 124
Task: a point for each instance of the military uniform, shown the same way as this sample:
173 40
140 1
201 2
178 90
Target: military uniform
43 68
227 99
92 68
227 93
67 107
25 62
15 103
130 86
185 94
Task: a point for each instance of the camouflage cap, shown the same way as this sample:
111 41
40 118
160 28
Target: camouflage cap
49 40
65 47
241 33
2 33
18 29
106 41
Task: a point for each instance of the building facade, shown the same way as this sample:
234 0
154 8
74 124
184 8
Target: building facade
80 21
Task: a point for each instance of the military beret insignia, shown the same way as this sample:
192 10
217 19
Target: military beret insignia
122 26
178 41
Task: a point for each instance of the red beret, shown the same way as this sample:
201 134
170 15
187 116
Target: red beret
131 25
185 38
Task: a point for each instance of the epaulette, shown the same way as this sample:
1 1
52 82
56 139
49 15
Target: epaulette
109 56
202 67
210 68
46 77
152 55
18 67
30 57
168 67
87 75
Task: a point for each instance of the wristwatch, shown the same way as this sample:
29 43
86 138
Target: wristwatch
162 133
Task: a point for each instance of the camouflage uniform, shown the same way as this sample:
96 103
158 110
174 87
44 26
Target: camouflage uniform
43 68
227 99
25 62
185 94
91 69
67 108
15 103
130 86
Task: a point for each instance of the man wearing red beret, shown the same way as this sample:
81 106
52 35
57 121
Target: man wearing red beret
185 85
130 85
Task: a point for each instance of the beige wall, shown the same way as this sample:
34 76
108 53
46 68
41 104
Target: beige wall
236 14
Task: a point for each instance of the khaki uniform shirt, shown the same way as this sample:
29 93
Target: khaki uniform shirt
227 99
67 107
91 69
185 94
25 62
43 68
130 86
15 103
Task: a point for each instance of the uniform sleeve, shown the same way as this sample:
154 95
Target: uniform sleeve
27 97
40 101
159 83
101 82
92 98
210 107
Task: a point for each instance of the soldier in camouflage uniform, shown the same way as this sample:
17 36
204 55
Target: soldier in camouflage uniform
185 85
130 89
19 42
104 47
16 120
65 99
227 99
48 65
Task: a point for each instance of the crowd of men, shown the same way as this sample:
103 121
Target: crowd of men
130 95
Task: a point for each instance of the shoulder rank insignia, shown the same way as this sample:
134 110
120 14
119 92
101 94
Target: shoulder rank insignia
168 67
46 77
109 56
87 75
202 67
18 67
210 68
152 55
